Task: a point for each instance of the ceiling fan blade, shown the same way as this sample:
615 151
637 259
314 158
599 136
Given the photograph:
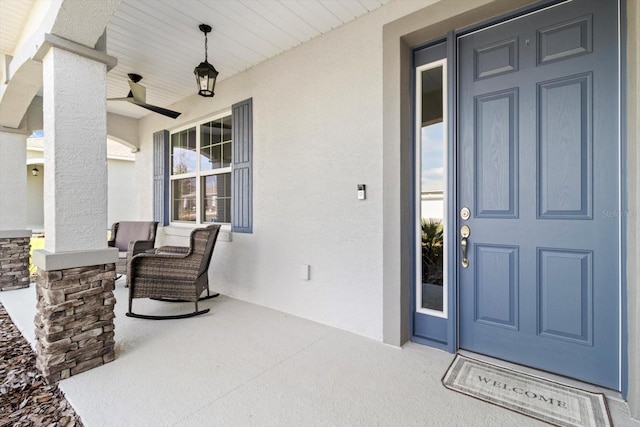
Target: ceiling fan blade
159 110
138 96
138 92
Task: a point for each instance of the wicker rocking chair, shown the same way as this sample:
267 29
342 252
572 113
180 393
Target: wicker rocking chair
174 273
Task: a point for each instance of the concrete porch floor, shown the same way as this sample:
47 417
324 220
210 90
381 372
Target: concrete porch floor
246 365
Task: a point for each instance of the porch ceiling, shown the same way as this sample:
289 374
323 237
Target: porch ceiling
160 39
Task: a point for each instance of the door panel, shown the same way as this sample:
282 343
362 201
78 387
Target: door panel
566 276
496 286
496 162
538 164
564 147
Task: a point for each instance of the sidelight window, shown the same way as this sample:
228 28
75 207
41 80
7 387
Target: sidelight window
431 136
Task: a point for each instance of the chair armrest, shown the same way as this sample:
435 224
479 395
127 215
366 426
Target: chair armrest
137 246
164 266
178 250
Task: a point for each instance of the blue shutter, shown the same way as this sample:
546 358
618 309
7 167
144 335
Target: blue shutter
161 177
242 199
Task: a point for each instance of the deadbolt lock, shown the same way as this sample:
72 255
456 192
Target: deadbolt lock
465 213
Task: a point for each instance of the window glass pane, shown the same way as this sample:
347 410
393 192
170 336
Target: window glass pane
216 198
205 158
183 152
216 157
226 128
215 144
226 154
205 147
183 194
432 190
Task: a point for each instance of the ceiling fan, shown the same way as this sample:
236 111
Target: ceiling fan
138 96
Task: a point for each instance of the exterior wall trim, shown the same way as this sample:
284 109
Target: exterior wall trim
12 234
50 40
631 129
49 261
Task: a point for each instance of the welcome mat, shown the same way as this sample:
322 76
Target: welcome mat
545 400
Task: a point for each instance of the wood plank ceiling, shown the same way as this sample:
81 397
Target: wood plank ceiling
160 39
13 17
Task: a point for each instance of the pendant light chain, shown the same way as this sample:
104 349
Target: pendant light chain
206 48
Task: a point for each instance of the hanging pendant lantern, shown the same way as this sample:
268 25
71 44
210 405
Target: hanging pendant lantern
205 73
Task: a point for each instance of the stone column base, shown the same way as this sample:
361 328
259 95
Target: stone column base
74 321
14 262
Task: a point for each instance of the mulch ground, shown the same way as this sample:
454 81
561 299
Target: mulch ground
25 398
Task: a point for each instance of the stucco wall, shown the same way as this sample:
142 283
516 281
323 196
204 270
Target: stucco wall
35 198
123 130
121 194
317 115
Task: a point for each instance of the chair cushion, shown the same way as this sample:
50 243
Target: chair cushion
132 230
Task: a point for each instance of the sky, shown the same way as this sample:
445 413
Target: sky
432 158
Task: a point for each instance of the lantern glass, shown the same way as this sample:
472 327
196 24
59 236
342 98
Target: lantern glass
206 76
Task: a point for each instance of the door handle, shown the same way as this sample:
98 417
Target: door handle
465 231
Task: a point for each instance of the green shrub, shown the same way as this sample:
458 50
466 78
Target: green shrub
432 252
37 242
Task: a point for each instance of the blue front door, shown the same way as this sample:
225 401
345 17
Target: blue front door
539 172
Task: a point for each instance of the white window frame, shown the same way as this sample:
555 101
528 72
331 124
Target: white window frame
197 174
418 189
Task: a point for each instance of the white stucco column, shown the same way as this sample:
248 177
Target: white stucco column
75 152
75 180
14 237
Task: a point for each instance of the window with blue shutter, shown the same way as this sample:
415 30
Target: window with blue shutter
202 171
